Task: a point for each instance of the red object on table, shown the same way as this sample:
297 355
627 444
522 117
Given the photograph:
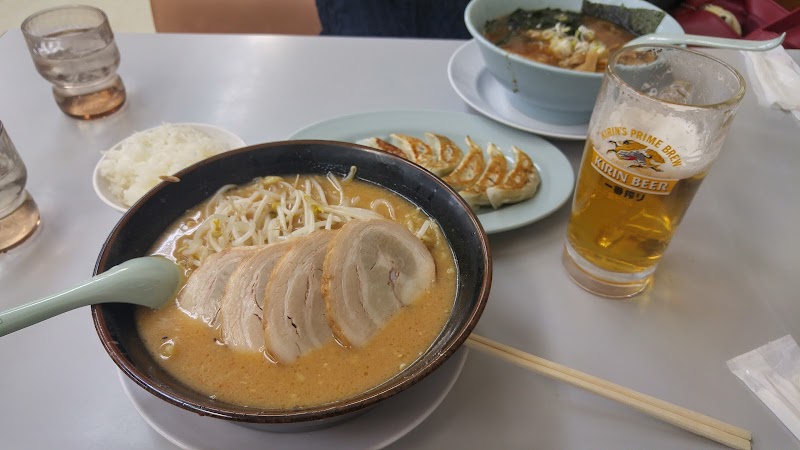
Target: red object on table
789 25
759 19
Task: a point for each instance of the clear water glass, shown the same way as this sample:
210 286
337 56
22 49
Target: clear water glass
73 48
19 215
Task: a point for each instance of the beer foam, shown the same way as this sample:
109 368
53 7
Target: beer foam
669 135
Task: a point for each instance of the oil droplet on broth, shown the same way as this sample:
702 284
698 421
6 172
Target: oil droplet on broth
167 349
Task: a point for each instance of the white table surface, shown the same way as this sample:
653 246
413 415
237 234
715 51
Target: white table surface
728 283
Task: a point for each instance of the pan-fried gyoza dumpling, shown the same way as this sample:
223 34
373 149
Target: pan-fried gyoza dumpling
495 171
294 311
373 268
447 152
419 152
380 144
520 183
469 169
240 313
201 296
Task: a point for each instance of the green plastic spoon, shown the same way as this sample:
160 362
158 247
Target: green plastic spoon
149 281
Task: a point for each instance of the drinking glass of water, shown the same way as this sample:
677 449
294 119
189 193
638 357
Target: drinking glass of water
19 216
73 48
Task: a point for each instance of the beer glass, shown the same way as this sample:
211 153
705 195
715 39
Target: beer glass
73 48
660 121
19 216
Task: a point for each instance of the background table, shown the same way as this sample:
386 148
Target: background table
729 282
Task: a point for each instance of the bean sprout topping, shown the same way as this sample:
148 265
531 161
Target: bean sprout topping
272 209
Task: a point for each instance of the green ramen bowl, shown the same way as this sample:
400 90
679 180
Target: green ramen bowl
147 220
546 93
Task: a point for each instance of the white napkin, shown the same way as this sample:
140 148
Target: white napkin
772 372
776 79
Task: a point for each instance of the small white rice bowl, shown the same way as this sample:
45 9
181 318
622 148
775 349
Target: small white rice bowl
137 164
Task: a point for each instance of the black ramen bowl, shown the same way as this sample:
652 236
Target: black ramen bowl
148 219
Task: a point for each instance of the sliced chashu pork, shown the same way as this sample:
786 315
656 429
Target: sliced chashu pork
201 296
240 313
519 184
495 171
373 268
294 321
469 169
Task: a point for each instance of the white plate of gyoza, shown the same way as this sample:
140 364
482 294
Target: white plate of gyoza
511 178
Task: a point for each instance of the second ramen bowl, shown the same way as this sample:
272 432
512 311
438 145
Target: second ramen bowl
546 93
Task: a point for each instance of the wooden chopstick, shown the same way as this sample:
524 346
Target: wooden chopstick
702 425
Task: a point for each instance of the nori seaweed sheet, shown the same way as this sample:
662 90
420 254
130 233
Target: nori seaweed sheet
543 19
638 21
522 19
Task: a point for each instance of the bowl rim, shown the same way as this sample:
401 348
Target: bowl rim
485 43
387 389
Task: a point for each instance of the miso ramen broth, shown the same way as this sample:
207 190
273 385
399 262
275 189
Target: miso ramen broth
196 354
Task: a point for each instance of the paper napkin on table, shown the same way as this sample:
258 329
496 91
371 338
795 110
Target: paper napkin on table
776 79
772 372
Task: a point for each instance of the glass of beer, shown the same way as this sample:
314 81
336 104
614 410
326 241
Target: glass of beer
73 48
19 215
661 118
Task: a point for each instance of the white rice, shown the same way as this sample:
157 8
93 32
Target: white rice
134 166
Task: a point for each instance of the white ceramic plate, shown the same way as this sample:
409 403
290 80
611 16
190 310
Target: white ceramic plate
382 425
477 87
555 170
101 185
